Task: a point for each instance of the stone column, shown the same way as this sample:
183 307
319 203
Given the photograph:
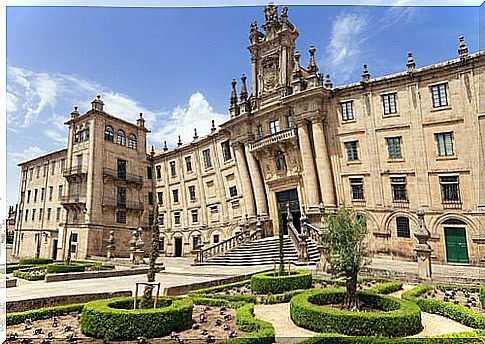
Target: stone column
309 172
247 189
422 249
258 186
323 164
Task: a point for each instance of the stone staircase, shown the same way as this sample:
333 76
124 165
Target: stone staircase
264 252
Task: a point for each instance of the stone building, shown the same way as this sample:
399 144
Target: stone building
386 146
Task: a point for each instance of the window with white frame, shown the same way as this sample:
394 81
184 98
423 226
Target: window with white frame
444 142
439 96
389 103
394 147
450 189
399 192
176 217
347 110
274 127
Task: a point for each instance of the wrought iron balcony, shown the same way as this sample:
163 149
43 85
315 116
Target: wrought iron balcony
128 177
73 171
280 136
73 199
115 203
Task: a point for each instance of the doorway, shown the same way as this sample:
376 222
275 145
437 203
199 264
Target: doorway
54 249
178 247
291 197
456 246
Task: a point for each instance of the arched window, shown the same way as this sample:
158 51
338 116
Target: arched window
108 133
280 161
121 139
132 142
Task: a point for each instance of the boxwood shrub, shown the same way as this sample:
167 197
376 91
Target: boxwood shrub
266 282
398 317
111 319
260 332
386 287
458 313
35 261
30 274
57 268
42 313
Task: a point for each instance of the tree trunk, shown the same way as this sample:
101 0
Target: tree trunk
351 301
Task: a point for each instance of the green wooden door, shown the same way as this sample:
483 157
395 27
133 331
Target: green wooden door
456 247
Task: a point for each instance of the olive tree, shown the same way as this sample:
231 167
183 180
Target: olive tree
348 251
147 298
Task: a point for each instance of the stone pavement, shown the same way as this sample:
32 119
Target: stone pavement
178 271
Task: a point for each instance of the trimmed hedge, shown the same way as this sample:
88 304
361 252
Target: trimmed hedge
27 274
42 313
261 332
110 319
35 261
58 268
458 313
265 283
399 318
387 287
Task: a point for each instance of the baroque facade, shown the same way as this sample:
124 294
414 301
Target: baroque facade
386 146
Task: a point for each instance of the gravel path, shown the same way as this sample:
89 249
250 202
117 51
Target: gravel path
279 315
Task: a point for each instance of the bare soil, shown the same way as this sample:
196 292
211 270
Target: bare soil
457 296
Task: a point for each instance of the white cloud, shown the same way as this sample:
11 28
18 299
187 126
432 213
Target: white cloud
198 113
26 154
57 136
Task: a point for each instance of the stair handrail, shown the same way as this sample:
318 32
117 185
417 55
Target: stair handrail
226 245
299 240
314 233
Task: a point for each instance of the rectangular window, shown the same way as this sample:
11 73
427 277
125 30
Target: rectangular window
260 132
399 193
158 168
161 244
173 172
75 214
37 174
394 147
41 212
192 192
289 121
160 197
149 172
450 189
274 127
42 192
35 195
26 215
33 215
445 144
176 217
121 168
352 151
151 218
195 215
49 212
28 195
121 197
347 110
79 161
206 154
226 150
188 163
357 187
53 167
161 219
58 214
63 165
438 93
150 198
195 242
51 192
215 238
233 191
402 226
121 216
31 173
175 194
59 192
389 103
46 169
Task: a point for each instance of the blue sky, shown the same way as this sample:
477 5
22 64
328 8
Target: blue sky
176 64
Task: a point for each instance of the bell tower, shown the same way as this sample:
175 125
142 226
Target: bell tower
272 56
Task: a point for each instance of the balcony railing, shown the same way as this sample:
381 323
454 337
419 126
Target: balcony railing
75 170
128 177
73 199
115 203
280 136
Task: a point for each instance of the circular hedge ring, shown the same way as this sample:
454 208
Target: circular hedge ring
398 318
57 268
266 282
116 318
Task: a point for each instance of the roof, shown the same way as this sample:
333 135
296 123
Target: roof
42 157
